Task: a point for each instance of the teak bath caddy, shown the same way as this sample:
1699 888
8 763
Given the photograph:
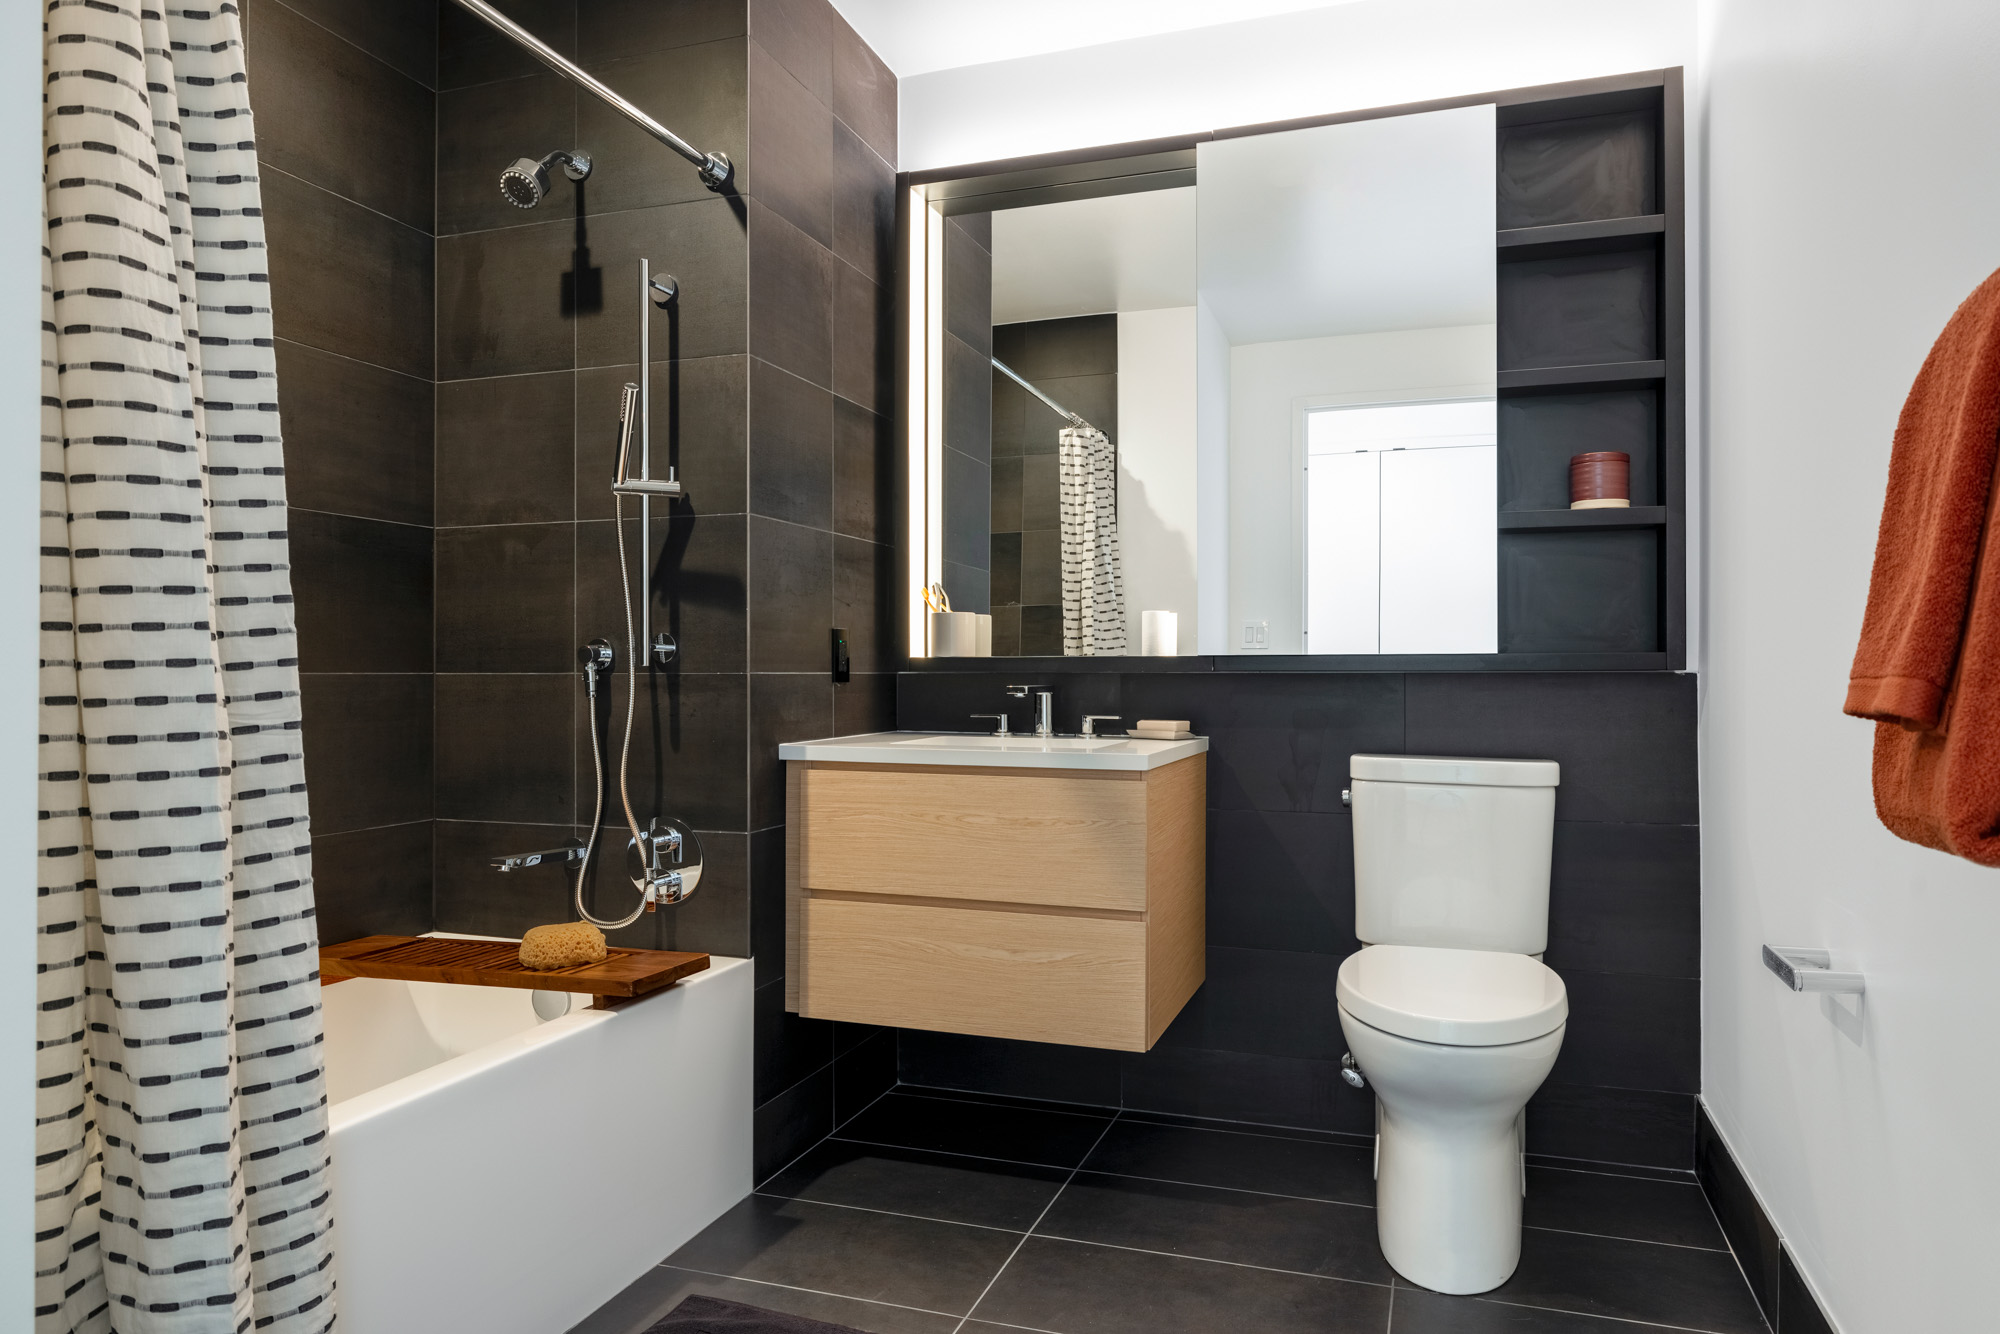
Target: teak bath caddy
623 976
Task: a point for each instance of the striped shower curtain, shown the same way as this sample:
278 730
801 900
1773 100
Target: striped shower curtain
181 1118
1093 591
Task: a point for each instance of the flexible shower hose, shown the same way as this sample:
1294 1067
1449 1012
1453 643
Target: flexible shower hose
625 748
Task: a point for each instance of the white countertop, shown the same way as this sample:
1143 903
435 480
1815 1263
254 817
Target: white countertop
994 752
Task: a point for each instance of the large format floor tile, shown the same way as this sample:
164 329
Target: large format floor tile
1020 1134
934 1212
1420 1312
1241 1227
1674 1212
634 1310
1318 1169
1632 1280
927 1185
1069 1288
853 1252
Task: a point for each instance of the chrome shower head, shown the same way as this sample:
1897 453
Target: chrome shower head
526 182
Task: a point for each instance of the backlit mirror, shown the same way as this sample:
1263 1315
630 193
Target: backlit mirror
1233 400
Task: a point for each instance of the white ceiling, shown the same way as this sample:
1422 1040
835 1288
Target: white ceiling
1367 227
1094 256
919 36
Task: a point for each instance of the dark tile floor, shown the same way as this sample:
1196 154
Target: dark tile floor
933 1213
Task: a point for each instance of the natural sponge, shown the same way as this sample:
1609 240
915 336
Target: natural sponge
562 946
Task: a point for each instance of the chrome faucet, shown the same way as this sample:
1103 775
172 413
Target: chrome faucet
1090 721
1044 706
999 718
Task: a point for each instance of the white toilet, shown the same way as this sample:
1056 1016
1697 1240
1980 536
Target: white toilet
1448 1010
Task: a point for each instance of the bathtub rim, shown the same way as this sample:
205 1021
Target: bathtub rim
380 1101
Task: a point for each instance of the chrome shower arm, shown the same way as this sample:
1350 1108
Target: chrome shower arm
715 168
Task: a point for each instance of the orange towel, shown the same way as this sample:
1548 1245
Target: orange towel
1928 666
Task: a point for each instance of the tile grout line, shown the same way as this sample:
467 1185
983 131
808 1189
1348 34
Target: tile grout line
793 1287
1593 1315
1037 1223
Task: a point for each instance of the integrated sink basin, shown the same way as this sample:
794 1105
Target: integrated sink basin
1005 752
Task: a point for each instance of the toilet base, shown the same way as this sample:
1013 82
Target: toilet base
1448 1175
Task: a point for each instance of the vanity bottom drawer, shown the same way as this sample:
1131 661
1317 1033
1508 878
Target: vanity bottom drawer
1033 976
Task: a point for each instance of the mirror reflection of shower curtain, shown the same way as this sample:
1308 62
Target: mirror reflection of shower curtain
1092 588
181 1115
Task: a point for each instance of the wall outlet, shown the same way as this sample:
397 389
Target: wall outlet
1256 636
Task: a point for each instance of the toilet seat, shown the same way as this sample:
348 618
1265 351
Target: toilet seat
1457 998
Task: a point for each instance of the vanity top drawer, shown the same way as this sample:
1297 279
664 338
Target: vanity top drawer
1074 840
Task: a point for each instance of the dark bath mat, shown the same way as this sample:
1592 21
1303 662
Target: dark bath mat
707 1315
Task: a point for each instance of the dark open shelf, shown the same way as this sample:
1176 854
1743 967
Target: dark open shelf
1604 375
1637 516
1580 238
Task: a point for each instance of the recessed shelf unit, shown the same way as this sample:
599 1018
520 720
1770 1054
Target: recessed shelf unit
1592 356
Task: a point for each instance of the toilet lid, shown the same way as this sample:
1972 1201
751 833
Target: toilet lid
1460 998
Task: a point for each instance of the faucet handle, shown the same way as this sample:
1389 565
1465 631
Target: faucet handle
1001 718
1090 720
1021 692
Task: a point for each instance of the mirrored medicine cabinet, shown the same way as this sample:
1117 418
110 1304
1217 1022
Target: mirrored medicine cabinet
1307 392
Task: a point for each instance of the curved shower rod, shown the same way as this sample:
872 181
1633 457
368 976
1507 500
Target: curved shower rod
715 168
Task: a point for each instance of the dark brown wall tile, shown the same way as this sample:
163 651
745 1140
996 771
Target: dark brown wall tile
606 29
500 301
364 593
304 79
472 896
791 447
470 51
504 449
368 749
695 572
864 474
346 279
864 577
791 141
357 437
373 882
864 340
687 748
716 918
698 93
700 414
864 90
701 244
864 206
484 128
504 599
865 704
782 708
504 747
791 597
398 33
799 33
791 297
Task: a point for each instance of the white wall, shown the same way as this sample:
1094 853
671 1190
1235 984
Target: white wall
1156 467
20 551
1853 175
1211 475
1266 383
1367 54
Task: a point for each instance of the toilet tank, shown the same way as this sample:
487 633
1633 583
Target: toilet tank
1452 852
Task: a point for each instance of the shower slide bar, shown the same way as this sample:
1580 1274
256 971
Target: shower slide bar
714 168
1061 411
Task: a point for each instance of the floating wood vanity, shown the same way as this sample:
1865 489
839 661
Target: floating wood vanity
1049 890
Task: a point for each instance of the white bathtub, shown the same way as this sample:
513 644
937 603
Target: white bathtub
496 1173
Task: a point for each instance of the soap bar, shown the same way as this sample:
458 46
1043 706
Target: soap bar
563 945
1161 725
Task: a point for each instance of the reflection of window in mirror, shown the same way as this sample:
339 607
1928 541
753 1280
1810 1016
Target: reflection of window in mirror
1400 546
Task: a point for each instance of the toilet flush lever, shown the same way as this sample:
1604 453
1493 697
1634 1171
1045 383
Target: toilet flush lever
1810 970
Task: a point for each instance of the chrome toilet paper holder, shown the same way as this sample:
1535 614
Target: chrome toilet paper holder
1810 970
